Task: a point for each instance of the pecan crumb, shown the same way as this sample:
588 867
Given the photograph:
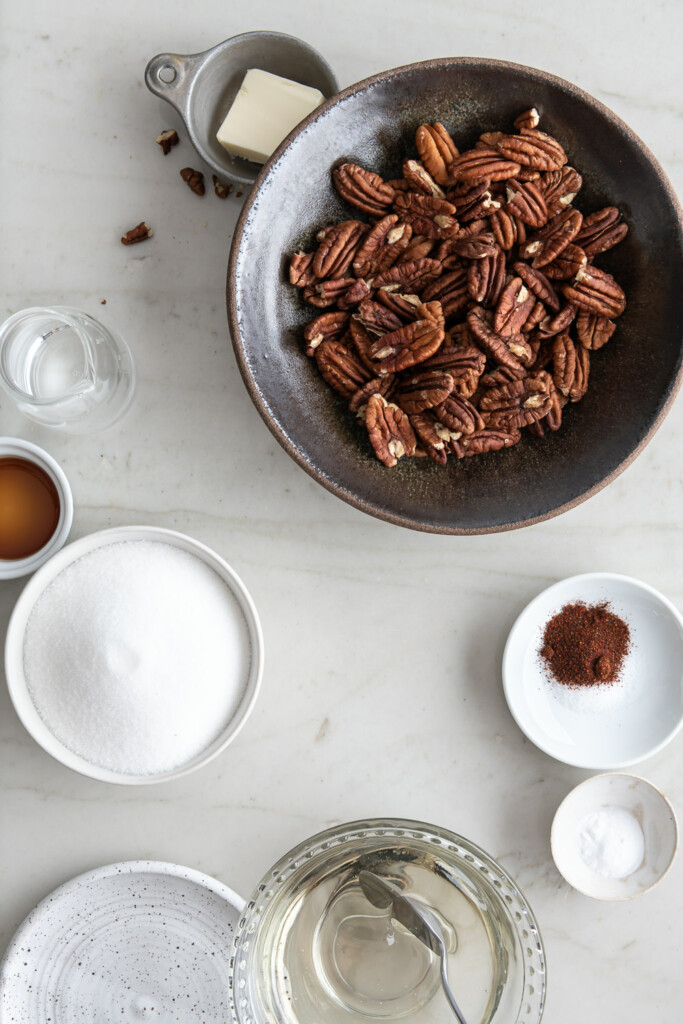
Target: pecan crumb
602 668
103 302
238 195
221 188
167 140
195 180
140 233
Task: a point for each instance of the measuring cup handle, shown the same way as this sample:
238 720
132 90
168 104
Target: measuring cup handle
170 75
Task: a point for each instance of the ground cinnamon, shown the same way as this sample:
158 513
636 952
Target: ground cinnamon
585 645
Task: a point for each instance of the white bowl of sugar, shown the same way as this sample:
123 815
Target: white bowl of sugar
134 655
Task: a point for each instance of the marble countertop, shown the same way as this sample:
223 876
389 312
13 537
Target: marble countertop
362 712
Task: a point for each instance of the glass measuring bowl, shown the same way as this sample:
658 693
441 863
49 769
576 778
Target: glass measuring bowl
64 369
311 947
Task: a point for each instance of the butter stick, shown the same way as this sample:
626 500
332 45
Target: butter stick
265 110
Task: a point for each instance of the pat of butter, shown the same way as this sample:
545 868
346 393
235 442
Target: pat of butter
265 110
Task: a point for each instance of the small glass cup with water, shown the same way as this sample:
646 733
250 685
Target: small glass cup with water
64 369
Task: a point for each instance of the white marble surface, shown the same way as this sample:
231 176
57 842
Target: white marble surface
382 691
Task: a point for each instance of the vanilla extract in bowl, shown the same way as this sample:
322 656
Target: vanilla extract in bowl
29 508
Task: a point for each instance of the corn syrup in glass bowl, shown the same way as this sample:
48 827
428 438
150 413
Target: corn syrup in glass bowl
311 947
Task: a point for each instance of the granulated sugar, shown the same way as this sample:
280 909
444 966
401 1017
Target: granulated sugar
136 657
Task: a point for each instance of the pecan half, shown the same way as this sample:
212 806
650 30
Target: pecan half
342 370
564 363
489 440
513 308
362 342
389 430
473 246
502 375
411 344
450 290
580 384
412 275
358 402
525 201
567 264
601 231
535 317
464 365
518 403
527 119
488 139
377 319
593 331
328 293
552 325
547 244
427 215
194 180
420 180
537 283
473 200
437 150
507 229
327 327
140 233
486 278
571 366
358 292
301 269
485 162
381 247
404 304
417 248
424 391
479 323
560 188
459 415
533 148
337 248
432 436
363 189
597 292
553 418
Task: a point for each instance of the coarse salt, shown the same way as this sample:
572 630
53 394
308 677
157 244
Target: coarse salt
611 842
136 657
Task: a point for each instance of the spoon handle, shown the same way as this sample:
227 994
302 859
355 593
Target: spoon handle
447 989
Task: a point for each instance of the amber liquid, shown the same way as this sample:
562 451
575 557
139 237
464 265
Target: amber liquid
29 508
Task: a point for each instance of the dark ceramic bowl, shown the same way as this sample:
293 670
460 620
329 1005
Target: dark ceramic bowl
634 379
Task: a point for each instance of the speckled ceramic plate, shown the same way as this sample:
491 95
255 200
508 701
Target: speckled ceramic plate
633 379
141 941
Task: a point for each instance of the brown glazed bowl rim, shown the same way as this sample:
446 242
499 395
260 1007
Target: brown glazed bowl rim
282 437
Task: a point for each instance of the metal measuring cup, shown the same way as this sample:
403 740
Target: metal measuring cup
202 88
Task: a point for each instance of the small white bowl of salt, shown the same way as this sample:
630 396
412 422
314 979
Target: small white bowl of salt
134 655
614 836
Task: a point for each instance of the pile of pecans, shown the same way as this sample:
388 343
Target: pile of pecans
468 307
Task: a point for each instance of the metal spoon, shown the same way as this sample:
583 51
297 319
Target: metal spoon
419 921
